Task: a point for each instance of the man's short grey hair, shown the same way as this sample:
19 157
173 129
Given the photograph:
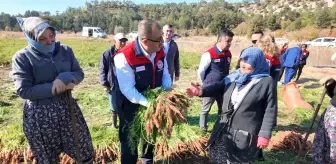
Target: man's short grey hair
145 28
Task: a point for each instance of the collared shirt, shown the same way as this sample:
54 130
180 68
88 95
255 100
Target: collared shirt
150 57
126 77
205 63
166 46
238 94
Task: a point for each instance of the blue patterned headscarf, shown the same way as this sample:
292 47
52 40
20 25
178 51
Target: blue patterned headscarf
33 28
255 57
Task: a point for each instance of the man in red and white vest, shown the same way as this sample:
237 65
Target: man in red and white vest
214 66
139 66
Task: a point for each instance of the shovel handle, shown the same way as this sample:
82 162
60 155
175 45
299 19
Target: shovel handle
312 124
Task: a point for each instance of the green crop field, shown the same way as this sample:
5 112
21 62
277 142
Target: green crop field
94 104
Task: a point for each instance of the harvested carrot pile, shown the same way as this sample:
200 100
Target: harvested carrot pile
103 155
181 149
288 140
157 121
166 109
169 108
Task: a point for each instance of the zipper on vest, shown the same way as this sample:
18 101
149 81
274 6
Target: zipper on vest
154 72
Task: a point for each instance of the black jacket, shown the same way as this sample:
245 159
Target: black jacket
107 74
257 113
173 60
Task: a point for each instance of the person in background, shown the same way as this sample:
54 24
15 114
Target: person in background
249 110
324 150
107 72
283 48
141 65
303 60
290 61
214 66
172 52
282 69
271 52
44 72
256 36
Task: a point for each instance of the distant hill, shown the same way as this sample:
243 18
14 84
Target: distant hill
202 18
276 6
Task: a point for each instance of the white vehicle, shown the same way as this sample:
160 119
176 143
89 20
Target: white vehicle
95 32
280 41
333 58
324 41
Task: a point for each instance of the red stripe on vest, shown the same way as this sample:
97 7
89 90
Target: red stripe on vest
129 54
132 60
214 55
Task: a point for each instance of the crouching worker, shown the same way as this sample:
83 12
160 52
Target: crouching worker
249 110
107 72
43 73
141 65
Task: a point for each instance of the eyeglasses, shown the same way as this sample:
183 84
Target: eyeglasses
160 40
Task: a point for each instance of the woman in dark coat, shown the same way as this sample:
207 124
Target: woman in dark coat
249 110
44 72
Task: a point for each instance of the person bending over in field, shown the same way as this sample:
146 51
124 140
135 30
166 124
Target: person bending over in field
290 60
249 110
43 73
282 69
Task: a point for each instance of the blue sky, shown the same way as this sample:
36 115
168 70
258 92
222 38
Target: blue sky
20 6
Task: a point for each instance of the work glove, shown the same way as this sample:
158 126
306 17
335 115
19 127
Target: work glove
194 90
262 142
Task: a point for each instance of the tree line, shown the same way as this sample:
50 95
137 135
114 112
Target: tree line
207 16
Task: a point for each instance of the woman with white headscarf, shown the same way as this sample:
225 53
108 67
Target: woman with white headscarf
44 72
249 110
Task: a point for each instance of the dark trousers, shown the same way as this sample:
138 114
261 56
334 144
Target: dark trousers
207 103
129 156
299 71
282 70
289 74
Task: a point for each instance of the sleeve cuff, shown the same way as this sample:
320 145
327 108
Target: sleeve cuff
265 134
65 78
143 102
